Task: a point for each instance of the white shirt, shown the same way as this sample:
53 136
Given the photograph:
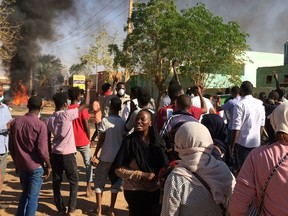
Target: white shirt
228 108
114 127
248 117
197 103
5 117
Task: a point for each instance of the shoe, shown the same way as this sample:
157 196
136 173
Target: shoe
76 212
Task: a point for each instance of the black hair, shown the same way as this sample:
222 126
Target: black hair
174 90
74 93
262 96
115 104
228 90
273 95
60 99
120 83
281 92
208 96
235 90
183 102
143 97
105 87
34 103
193 89
246 88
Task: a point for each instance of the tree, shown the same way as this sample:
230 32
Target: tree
98 54
203 44
47 70
9 34
80 68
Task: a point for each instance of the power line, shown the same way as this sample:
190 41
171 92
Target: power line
91 25
85 22
88 34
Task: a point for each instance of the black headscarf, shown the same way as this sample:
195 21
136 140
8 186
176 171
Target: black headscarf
149 158
218 131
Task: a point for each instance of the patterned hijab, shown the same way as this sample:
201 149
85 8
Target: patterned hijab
194 144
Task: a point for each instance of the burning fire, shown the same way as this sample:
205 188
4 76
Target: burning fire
20 96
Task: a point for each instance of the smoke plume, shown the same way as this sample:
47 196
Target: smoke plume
36 19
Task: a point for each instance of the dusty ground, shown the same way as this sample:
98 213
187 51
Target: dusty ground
12 189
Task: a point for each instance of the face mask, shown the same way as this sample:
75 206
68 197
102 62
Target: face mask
121 92
1 98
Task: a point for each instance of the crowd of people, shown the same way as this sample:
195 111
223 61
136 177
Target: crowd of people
189 157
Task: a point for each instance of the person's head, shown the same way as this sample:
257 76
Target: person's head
82 92
34 92
273 97
281 93
145 124
120 88
183 102
209 97
228 90
74 93
262 96
194 90
235 90
216 126
1 92
279 121
174 91
143 97
192 137
115 105
60 100
106 87
246 88
34 103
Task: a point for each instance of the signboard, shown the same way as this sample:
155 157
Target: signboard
79 80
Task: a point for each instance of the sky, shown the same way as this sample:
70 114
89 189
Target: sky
264 20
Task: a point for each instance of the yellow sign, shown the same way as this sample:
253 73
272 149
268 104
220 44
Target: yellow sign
79 80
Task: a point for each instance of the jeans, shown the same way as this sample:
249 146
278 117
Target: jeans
241 154
85 151
31 183
68 164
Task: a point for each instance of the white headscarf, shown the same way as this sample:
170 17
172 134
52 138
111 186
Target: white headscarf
194 144
279 118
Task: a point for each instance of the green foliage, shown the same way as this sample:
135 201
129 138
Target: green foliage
77 69
47 70
203 43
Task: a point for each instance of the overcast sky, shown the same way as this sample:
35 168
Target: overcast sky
264 20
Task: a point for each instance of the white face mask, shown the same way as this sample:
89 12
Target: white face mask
1 98
121 92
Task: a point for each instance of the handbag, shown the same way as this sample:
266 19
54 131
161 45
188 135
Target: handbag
223 209
254 210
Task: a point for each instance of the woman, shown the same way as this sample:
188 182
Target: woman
184 193
218 132
257 168
138 162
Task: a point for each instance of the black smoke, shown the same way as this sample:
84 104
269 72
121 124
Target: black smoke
36 18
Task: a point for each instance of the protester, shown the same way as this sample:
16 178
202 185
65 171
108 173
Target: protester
120 93
81 131
261 164
29 151
5 118
247 123
138 162
218 131
97 118
111 131
63 150
185 192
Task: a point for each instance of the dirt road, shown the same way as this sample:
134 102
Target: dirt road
12 188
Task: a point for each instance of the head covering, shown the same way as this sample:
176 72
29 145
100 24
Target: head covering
215 125
279 118
194 144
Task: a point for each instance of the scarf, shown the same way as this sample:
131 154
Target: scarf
194 144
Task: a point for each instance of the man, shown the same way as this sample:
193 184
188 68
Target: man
81 131
29 150
5 118
247 123
228 109
120 92
63 149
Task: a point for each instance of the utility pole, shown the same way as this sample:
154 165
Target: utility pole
129 31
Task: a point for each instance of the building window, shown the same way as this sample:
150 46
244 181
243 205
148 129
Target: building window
285 78
268 79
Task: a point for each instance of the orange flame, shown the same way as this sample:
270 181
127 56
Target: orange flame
20 94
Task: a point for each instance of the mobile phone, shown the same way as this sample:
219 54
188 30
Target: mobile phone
169 113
